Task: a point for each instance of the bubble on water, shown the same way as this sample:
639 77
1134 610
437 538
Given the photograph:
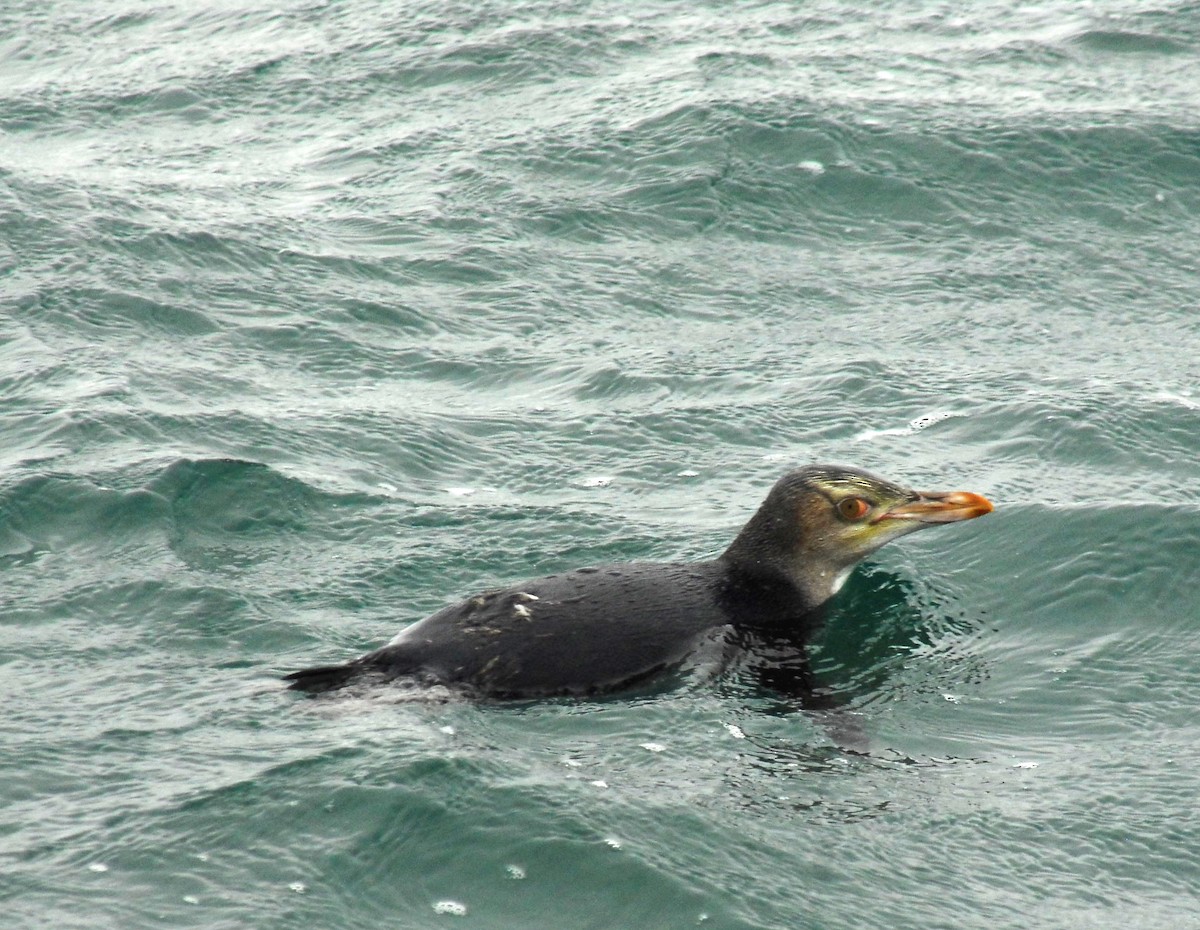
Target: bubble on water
952 698
453 908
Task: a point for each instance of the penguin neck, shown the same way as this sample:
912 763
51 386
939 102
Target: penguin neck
774 551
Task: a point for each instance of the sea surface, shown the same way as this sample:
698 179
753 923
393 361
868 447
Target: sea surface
316 316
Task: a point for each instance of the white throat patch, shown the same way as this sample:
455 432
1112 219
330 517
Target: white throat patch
839 580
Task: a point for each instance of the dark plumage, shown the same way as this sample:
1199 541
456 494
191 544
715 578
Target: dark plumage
601 629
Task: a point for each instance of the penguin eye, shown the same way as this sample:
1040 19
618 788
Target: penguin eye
853 508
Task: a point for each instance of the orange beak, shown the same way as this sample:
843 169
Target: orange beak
941 507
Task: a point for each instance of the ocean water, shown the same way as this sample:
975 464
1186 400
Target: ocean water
317 316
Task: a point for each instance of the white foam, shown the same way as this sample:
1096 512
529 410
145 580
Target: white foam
914 425
1181 399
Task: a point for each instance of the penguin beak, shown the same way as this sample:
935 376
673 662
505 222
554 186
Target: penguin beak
940 507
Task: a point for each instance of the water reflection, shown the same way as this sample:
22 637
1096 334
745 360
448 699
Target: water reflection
885 638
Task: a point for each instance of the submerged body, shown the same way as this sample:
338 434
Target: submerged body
580 632
601 629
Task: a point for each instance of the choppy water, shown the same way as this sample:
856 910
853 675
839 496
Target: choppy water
317 316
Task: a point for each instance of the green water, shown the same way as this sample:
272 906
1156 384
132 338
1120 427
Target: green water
316 317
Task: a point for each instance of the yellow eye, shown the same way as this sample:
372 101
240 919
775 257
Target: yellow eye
853 508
